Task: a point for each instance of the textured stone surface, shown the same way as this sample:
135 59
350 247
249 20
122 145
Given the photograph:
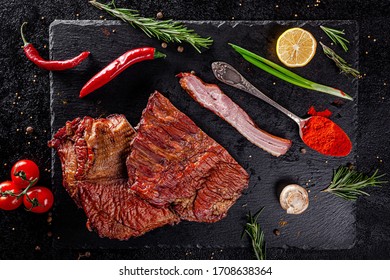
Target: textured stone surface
329 223
24 231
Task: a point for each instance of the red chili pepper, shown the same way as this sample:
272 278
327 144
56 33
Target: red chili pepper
119 65
51 65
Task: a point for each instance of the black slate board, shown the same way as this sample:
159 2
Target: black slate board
329 222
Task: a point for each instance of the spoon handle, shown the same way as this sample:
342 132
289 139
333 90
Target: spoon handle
228 75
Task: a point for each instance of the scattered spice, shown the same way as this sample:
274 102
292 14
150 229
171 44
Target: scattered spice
29 130
276 232
159 15
164 45
37 248
326 137
313 112
283 223
302 150
180 49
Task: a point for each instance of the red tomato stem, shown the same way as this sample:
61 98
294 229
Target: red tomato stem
11 193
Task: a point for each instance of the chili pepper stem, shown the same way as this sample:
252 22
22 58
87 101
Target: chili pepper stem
21 33
158 54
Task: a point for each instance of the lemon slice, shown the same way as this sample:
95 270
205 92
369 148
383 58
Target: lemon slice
296 47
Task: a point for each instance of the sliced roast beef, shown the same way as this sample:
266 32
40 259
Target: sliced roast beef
173 162
173 170
116 212
92 150
93 156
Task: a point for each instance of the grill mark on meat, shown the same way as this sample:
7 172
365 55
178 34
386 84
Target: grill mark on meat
211 97
175 176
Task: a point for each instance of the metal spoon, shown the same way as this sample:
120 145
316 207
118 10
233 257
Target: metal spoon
229 75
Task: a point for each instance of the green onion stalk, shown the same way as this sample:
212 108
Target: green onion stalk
286 75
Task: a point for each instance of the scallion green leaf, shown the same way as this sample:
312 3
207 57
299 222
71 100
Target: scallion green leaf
286 75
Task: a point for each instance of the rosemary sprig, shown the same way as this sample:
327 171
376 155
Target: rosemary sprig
168 31
256 234
336 36
348 183
344 67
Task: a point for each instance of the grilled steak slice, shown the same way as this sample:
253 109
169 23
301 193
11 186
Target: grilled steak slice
173 162
92 150
93 156
116 212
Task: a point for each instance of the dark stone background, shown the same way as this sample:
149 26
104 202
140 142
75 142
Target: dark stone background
24 97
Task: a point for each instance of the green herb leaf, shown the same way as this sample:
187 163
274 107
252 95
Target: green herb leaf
348 183
165 30
344 67
336 36
253 230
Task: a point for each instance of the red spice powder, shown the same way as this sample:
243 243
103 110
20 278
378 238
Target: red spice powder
326 137
312 112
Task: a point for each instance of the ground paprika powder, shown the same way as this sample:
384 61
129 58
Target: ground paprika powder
313 112
326 137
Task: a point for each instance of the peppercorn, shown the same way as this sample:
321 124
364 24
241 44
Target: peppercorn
159 15
180 49
29 130
164 45
276 232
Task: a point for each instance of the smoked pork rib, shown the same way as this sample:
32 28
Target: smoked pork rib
211 97
173 162
93 157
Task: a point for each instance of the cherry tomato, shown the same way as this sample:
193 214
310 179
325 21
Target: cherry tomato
8 202
42 199
29 168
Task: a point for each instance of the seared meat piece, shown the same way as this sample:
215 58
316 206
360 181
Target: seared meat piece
174 170
93 156
92 150
211 97
173 162
116 212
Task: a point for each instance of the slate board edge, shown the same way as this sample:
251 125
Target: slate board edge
219 23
